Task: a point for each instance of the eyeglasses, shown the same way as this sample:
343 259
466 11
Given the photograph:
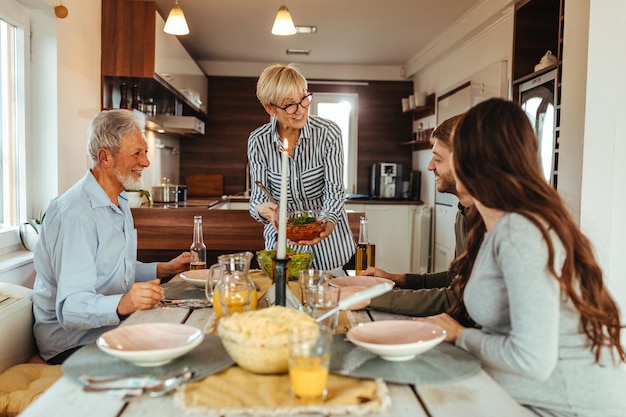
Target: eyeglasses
292 108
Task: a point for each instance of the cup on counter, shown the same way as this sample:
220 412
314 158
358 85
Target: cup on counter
412 101
420 99
320 299
312 277
405 104
309 359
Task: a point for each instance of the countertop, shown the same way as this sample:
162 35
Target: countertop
210 202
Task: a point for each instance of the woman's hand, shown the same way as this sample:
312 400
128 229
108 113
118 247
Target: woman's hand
328 229
269 211
451 326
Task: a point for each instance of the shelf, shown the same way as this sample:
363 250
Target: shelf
536 73
423 111
167 99
419 145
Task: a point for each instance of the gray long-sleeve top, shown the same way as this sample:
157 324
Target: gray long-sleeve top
531 342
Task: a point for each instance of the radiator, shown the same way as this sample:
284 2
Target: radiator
420 253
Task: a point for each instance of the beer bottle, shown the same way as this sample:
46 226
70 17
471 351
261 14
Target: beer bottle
198 248
363 248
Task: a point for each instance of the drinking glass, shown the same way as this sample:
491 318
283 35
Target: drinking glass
320 299
309 359
311 277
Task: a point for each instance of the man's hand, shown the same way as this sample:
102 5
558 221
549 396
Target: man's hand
372 271
142 296
174 266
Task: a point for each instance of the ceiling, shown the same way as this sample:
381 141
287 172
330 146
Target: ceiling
349 32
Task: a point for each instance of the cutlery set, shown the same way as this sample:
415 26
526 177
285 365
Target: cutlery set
129 387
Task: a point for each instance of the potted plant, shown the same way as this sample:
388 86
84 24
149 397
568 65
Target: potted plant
29 232
137 197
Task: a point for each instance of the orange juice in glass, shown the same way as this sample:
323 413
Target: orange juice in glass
309 359
308 377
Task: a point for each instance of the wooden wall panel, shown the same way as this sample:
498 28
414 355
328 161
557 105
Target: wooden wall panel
234 112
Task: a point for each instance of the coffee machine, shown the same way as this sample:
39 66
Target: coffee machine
386 180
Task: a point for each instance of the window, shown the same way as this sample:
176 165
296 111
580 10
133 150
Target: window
342 109
8 125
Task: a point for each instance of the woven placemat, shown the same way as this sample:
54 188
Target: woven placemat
445 362
206 359
236 392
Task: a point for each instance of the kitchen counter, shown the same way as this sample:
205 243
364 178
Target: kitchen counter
166 229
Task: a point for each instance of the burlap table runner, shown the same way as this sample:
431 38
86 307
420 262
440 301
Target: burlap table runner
236 391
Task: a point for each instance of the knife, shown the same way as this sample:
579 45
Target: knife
359 297
267 193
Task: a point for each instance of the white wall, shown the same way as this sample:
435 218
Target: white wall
78 100
603 199
456 67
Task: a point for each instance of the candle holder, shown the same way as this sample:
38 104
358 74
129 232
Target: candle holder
280 281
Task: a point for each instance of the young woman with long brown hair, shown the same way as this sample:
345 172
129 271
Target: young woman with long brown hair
548 329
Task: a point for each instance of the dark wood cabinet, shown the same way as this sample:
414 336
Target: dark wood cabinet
538 28
128 41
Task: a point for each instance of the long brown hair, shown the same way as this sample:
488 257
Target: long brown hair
495 156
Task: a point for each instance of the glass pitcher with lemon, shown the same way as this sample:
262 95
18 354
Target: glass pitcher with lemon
229 286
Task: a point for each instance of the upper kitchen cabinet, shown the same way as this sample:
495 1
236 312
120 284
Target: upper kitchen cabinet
537 69
537 29
145 68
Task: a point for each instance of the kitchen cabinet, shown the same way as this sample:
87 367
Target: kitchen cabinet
137 54
397 232
538 28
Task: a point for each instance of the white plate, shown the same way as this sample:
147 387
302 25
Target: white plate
150 344
197 277
396 340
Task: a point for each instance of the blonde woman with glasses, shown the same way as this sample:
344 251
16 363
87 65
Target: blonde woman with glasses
315 150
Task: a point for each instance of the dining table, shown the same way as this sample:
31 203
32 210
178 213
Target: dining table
473 395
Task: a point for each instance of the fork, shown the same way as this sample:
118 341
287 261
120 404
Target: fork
157 390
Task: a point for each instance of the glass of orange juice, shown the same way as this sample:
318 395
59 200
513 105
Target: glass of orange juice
309 359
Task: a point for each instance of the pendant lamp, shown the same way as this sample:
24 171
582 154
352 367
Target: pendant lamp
176 23
283 25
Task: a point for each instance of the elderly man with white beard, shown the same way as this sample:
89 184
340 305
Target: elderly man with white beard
88 277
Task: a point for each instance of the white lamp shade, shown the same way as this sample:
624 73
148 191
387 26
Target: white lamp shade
283 25
176 23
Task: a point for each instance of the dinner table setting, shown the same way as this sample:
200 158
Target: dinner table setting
279 341
182 358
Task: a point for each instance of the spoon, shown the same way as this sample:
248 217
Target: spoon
359 297
267 193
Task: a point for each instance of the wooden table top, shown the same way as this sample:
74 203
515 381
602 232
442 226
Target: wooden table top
477 395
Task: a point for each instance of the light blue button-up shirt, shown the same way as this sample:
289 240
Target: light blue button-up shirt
86 259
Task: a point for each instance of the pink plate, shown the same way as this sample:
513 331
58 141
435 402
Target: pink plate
352 285
396 340
150 344
197 277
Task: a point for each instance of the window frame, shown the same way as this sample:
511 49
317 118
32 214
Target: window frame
15 15
351 153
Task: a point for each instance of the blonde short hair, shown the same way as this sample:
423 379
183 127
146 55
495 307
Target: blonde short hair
278 82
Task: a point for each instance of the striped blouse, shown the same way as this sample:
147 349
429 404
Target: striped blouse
315 183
